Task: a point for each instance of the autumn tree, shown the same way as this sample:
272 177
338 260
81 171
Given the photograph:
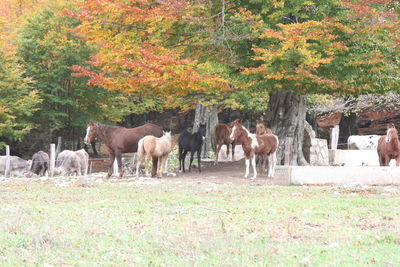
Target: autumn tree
18 101
48 50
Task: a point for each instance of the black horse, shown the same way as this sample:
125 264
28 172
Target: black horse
193 143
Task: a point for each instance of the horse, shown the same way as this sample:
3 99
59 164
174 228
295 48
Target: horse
220 136
152 146
252 144
120 140
261 129
362 141
389 147
193 143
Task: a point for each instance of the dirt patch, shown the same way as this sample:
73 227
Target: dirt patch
223 173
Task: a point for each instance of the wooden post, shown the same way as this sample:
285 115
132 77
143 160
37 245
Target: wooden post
52 159
7 169
334 136
288 150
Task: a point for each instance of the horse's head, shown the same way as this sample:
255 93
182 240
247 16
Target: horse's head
202 130
391 133
237 129
91 133
260 128
167 134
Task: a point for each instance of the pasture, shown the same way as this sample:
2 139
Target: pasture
192 221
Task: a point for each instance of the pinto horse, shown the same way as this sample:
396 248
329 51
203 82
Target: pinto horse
389 147
263 145
120 140
220 136
152 146
193 143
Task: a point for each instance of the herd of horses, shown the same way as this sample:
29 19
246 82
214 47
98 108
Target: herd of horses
259 149
151 141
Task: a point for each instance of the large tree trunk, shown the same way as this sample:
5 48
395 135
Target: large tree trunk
286 115
208 115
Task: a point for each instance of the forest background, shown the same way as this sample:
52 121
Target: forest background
63 63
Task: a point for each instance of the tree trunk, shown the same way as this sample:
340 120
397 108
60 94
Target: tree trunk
208 115
347 127
286 115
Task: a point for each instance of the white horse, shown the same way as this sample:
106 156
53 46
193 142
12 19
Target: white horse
369 142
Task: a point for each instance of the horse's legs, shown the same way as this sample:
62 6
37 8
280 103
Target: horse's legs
247 167
110 168
227 151
191 159
217 149
180 154
154 168
119 161
253 162
233 151
161 163
198 158
138 161
381 159
146 164
182 158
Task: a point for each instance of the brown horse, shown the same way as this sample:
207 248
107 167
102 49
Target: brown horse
262 161
264 145
120 140
220 136
389 147
151 146
261 129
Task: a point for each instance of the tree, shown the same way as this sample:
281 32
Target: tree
18 101
48 50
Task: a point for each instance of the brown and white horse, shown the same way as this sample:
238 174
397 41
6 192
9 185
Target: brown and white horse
120 140
264 145
261 129
389 147
151 146
221 136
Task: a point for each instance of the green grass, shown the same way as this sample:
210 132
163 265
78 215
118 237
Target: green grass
190 224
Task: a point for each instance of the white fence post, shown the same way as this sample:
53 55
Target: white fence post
52 159
334 136
7 169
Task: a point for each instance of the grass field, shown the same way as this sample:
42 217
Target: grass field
197 224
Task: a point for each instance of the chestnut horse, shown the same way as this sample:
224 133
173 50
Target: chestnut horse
120 140
220 136
389 146
151 146
263 145
261 129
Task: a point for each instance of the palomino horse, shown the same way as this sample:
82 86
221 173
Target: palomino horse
220 136
152 146
264 145
389 147
193 143
120 140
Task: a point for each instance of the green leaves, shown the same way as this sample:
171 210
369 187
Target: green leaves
18 101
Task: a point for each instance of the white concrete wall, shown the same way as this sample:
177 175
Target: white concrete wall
323 175
341 157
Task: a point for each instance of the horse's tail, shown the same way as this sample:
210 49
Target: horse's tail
140 151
